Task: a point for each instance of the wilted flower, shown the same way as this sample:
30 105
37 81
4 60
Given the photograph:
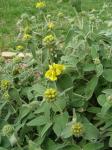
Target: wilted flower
49 39
40 4
77 129
5 84
50 94
7 130
54 71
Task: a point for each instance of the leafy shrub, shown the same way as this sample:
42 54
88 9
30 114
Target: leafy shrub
61 98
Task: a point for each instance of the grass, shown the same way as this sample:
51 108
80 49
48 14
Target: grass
10 11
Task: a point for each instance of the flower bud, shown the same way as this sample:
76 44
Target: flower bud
6 96
5 84
109 99
7 130
96 61
50 94
77 129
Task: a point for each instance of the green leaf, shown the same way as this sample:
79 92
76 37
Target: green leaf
50 145
93 146
38 121
101 99
77 101
60 122
107 74
14 94
90 87
33 146
76 4
69 35
23 112
43 107
1 148
59 105
70 61
89 67
72 147
110 141
105 108
67 132
45 128
94 110
94 51
91 132
107 91
99 69
38 89
65 82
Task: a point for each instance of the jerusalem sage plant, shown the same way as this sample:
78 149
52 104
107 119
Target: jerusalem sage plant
61 98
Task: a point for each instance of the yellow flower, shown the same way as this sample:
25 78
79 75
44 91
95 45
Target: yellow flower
19 47
27 36
40 4
50 94
51 25
77 129
49 39
5 84
54 71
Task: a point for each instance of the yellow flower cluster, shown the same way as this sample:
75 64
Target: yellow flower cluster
54 71
77 129
26 36
51 25
40 4
19 47
50 94
5 84
49 39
